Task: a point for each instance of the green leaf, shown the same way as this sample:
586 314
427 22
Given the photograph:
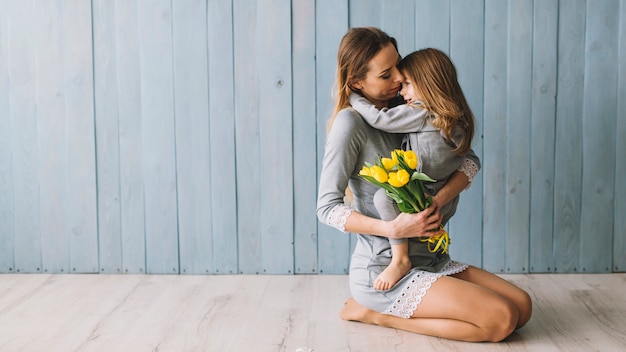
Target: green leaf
421 176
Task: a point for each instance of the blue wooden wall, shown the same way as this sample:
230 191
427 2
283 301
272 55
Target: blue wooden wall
185 136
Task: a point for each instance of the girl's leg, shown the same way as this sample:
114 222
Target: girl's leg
453 308
399 266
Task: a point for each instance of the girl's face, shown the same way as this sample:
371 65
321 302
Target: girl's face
408 92
383 79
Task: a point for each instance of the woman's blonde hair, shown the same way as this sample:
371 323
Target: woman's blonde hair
434 80
357 47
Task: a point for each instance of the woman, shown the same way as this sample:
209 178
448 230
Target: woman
459 302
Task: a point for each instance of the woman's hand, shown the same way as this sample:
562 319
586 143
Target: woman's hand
416 225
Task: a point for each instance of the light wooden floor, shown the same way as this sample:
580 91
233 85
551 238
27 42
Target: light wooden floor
275 313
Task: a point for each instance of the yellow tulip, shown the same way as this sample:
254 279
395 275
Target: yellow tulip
398 179
379 173
388 163
365 171
411 159
395 153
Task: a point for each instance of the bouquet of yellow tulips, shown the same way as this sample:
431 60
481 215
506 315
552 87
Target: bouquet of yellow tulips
402 182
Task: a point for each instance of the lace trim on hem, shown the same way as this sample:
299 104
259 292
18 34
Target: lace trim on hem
470 169
416 288
338 217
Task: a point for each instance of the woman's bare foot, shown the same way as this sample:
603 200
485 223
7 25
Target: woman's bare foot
394 272
355 312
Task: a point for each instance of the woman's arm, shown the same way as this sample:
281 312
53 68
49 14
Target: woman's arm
400 119
403 226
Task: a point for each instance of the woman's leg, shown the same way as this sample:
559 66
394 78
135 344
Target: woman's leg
453 308
519 297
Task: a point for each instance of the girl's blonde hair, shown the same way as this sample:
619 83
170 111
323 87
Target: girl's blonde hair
434 80
357 47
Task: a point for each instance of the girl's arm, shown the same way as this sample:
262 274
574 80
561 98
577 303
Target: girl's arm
400 119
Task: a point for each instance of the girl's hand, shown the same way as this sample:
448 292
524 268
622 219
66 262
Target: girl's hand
416 225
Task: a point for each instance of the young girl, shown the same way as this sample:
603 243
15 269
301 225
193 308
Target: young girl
440 128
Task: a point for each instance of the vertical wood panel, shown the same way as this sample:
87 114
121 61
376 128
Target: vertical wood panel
467 53
331 23
7 215
192 135
25 156
494 159
544 71
304 137
52 123
222 136
599 116
158 133
365 13
80 177
273 62
107 137
247 136
619 231
519 74
432 26
398 21
568 146
127 56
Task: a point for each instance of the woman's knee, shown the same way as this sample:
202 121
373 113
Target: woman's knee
502 321
525 309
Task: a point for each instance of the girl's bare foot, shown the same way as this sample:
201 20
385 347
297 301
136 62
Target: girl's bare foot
394 272
355 312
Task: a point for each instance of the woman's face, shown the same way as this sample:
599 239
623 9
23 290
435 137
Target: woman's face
383 79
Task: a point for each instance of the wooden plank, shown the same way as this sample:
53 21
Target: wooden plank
127 58
467 52
247 122
331 23
543 116
275 313
7 215
495 135
366 14
158 147
599 116
107 111
432 26
304 137
568 146
81 216
192 136
398 21
273 60
619 230
518 139
51 118
25 156
222 136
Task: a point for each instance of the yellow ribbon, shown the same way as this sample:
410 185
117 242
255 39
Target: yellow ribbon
441 241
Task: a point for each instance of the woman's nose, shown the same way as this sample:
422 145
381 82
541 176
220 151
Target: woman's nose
397 76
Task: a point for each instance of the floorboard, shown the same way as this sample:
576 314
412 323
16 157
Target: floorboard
583 312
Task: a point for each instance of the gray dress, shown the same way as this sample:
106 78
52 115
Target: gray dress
350 143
